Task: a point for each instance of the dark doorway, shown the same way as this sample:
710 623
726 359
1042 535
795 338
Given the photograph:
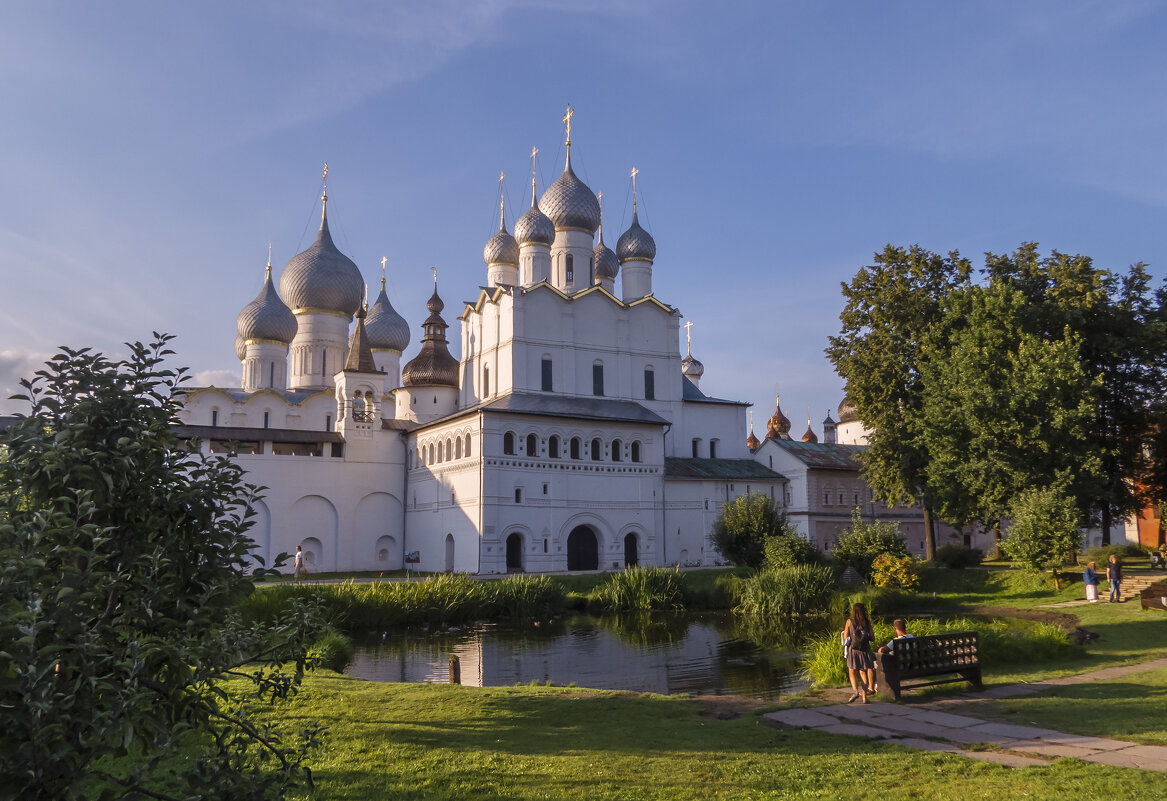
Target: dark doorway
631 558
515 553
582 551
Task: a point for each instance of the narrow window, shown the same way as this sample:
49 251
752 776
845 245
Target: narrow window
712 449
840 498
570 268
575 444
617 447
267 419
508 443
328 422
635 451
431 459
458 448
532 445
597 450
856 498
271 374
449 449
696 445
544 546
597 379
553 447
591 270
706 504
467 445
214 417
826 497
545 488
485 381
546 374
518 495
649 384
324 363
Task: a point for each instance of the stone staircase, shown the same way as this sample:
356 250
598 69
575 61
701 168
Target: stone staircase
1133 584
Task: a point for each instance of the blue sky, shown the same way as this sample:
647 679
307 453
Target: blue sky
151 151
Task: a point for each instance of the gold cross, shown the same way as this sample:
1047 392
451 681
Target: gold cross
600 197
435 270
567 120
501 175
384 259
326 176
689 337
269 259
635 172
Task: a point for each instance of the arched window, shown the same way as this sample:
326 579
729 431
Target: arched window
553 447
458 448
598 378
635 451
570 268
546 383
485 381
649 384
431 459
575 447
597 450
468 454
696 447
508 443
532 445
440 460
449 449
713 448
617 447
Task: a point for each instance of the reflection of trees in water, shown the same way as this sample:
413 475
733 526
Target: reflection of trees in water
787 635
647 628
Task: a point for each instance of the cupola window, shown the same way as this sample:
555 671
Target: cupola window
570 264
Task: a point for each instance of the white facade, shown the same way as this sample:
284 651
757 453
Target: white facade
566 437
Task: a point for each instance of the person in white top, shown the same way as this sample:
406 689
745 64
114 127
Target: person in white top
901 627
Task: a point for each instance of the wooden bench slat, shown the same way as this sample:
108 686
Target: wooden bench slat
931 655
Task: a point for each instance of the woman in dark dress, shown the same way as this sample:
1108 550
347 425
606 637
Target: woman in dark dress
860 662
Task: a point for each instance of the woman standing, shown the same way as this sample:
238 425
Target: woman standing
860 663
1090 579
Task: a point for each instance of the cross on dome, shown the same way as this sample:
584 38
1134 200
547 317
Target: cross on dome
567 121
384 259
689 339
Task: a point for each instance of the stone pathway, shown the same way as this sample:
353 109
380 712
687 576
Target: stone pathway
937 726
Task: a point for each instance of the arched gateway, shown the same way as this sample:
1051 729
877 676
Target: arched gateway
515 553
583 552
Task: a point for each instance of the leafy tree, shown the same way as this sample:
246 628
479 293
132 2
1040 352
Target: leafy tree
1044 530
791 549
1004 409
896 571
122 559
745 524
859 545
891 307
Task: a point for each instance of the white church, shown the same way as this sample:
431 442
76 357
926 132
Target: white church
571 434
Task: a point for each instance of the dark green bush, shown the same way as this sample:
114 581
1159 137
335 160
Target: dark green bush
858 545
1101 555
334 650
958 557
791 550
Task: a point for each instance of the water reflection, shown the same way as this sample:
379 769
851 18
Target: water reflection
660 653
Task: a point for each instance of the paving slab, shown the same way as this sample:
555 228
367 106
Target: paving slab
973 738
859 712
911 726
1126 759
1014 690
1012 730
1045 748
943 718
926 745
1083 741
858 730
1008 760
802 717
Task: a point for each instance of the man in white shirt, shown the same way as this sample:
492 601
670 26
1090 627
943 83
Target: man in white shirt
901 627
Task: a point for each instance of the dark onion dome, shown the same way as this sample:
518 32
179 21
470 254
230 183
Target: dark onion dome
240 348
752 441
502 247
809 436
387 329
570 203
691 367
322 277
846 411
534 227
636 244
607 265
267 317
434 366
778 426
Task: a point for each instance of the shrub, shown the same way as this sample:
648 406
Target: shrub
746 522
896 571
788 594
958 557
1045 529
525 597
791 550
858 545
1101 554
333 650
640 589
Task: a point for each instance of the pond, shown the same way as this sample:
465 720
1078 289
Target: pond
697 654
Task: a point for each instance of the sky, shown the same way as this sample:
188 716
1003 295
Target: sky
151 152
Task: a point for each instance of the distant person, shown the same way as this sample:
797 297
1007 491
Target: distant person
860 662
901 627
1114 576
298 568
1090 579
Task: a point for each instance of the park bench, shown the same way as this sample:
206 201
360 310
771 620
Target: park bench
1155 596
924 657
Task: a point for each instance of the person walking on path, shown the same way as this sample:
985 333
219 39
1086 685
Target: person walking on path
1090 579
298 568
1114 576
860 663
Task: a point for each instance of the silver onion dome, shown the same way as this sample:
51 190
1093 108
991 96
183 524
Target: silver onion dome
607 265
240 348
387 330
692 368
322 277
534 227
570 203
636 243
501 248
846 411
267 317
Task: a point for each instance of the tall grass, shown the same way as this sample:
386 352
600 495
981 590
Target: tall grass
788 594
640 589
997 643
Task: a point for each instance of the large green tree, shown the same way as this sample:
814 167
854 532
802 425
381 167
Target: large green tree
891 307
745 525
123 555
1045 529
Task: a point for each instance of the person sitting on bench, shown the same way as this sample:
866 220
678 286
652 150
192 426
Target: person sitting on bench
901 627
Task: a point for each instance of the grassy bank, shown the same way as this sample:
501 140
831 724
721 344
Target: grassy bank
448 742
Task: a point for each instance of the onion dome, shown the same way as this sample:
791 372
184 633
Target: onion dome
434 366
502 247
240 348
570 203
360 355
387 329
322 277
636 243
607 265
752 441
534 227
846 411
267 317
809 436
692 368
778 426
